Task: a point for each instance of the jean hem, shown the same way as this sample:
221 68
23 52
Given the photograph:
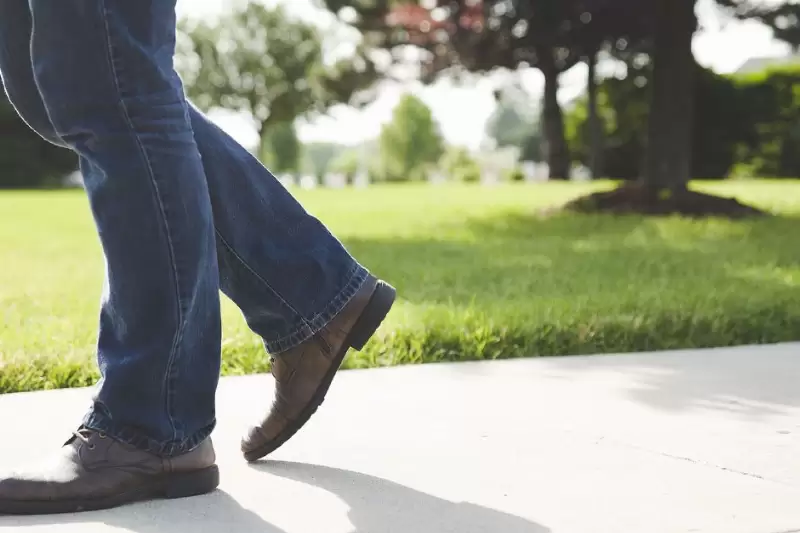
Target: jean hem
356 279
137 439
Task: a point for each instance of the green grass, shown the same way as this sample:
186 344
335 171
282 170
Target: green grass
479 273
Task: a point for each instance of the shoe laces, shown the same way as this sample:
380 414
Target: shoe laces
83 435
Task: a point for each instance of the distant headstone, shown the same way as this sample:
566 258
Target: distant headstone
308 182
490 176
287 180
335 181
529 170
581 173
542 172
437 177
361 180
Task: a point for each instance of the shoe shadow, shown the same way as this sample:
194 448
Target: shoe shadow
381 506
212 513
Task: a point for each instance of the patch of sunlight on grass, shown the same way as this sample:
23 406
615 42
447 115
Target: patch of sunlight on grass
480 274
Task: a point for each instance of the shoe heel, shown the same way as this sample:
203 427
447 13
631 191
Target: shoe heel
184 485
373 315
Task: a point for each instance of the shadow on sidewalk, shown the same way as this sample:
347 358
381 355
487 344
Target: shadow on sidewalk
217 512
381 506
376 506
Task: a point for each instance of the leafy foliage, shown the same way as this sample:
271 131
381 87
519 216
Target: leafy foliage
770 102
740 122
410 142
479 36
262 62
459 165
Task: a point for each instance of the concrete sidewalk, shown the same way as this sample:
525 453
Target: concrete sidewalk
700 441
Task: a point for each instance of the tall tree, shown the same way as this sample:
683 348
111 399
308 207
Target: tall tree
410 142
669 156
282 148
673 24
480 36
263 62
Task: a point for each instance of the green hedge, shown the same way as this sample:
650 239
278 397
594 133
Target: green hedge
770 102
743 125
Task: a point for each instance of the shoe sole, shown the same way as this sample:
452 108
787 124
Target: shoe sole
164 487
371 318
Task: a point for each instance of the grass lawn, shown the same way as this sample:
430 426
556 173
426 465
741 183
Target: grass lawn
480 276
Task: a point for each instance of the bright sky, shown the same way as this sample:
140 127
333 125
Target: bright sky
462 111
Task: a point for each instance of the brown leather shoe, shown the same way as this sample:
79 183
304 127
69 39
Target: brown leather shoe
94 471
304 374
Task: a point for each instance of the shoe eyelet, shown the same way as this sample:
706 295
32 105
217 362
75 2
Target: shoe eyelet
102 435
92 446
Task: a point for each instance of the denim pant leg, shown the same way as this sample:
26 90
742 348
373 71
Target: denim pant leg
17 71
105 74
281 266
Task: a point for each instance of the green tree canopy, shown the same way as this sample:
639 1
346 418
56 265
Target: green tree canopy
459 165
479 36
670 26
265 63
410 142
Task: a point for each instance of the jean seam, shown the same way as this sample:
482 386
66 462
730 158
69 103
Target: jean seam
341 298
168 378
310 326
358 276
244 263
99 422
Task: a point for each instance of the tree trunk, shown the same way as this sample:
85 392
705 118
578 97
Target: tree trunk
669 145
595 126
556 151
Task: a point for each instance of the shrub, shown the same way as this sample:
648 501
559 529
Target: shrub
515 175
459 165
740 122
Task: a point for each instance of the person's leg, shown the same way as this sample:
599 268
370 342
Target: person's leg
103 70
16 69
280 265
297 286
295 283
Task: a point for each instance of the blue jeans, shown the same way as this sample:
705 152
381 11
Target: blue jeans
181 210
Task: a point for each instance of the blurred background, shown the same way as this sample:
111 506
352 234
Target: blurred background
537 177
485 90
